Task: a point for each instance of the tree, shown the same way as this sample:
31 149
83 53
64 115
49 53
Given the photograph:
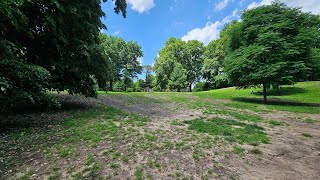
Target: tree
51 44
173 51
275 43
139 85
188 54
178 78
123 59
132 66
193 62
115 49
213 61
148 82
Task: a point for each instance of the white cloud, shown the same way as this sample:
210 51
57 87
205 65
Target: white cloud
307 5
256 4
206 34
141 5
222 4
116 33
210 31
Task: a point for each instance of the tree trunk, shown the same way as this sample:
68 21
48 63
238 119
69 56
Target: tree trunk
190 88
264 93
178 89
110 85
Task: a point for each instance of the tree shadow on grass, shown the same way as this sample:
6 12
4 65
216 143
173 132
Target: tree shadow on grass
33 116
275 101
284 91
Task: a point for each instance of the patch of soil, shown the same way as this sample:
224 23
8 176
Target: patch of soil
289 156
37 118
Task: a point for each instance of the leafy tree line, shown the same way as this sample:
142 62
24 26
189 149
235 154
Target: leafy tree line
52 45
272 45
144 84
124 64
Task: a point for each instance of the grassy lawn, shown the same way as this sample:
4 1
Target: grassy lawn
161 135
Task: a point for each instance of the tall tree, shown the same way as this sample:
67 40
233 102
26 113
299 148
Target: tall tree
193 62
132 66
173 51
148 77
213 61
275 46
56 41
115 49
178 78
188 54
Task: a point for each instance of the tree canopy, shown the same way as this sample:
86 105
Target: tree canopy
274 47
51 44
188 54
123 59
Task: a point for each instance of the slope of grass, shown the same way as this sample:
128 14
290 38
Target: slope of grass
307 92
301 97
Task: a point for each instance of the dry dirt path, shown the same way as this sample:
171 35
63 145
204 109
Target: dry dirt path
291 154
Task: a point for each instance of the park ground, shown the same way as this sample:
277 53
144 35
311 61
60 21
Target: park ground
218 134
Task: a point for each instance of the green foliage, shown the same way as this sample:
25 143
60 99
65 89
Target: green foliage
272 46
123 57
139 86
202 86
149 78
214 56
188 54
178 78
53 44
300 94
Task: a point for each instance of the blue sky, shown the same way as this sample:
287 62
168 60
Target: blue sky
152 22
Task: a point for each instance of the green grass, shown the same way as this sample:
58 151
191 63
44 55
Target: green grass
138 174
238 150
312 121
255 150
301 92
232 130
307 135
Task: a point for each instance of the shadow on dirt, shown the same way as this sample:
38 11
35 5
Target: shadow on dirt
28 116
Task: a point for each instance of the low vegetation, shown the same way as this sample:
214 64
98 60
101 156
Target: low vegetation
243 106
116 142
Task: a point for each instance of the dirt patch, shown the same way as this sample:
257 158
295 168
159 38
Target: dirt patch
164 147
289 156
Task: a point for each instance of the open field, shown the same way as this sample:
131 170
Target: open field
218 134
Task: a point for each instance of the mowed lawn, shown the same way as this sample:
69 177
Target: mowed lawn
218 134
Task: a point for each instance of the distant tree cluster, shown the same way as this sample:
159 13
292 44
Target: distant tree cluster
123 62
272 45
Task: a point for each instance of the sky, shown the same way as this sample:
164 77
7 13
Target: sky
152 22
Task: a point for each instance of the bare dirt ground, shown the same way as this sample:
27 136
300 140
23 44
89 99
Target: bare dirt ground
290 155
177 152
